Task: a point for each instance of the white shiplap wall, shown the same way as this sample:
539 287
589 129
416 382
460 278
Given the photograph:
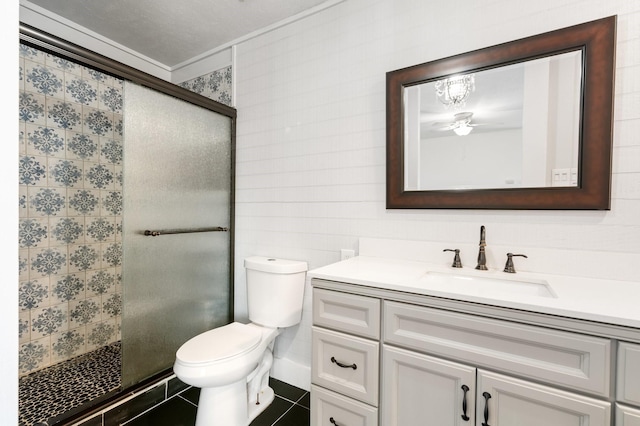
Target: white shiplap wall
311 142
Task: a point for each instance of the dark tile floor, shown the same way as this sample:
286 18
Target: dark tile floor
290 407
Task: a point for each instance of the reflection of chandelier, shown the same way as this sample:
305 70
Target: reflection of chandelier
454 91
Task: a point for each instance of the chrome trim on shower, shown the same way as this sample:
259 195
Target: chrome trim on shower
184 231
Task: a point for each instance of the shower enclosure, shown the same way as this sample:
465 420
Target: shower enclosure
139 221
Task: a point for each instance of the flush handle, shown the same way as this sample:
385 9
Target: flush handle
333 360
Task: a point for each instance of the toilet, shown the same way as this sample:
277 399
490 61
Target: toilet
231 363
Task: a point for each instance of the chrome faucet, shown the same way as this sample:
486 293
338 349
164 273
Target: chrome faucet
482 258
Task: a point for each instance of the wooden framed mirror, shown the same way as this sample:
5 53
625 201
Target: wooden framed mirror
525 124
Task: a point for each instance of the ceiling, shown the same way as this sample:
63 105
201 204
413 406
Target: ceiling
171 32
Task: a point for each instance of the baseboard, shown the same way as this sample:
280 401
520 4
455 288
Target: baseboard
291 372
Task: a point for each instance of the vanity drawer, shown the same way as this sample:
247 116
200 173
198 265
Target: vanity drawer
346 312
326 405
628 380
567 359
345 364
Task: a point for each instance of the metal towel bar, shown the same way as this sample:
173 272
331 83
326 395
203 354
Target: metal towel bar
184 231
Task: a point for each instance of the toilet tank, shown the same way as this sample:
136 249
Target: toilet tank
275 290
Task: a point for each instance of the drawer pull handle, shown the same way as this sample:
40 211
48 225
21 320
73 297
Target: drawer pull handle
465 389
486 395
333 422
333 360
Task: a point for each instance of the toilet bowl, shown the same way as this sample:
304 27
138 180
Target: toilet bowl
231 363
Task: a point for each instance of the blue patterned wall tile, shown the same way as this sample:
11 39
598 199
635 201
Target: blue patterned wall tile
64 115
34 355
118 174
111 151
64 65
84 257
42 140
216 85
49 320
100 229
46 202
44 80
82 91
32 170
118 124
84 202
31 108
110 98
68 287
83 312
100 282
96 122
31 53
101 334
33 294
23 264
99 176
65 173
66 230
24 327
111 305
112 254
67 344
112 203
94 75
82 146
49 261
32 232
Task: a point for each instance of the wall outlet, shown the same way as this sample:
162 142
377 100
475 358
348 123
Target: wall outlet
346 254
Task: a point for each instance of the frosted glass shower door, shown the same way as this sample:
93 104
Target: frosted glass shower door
177 177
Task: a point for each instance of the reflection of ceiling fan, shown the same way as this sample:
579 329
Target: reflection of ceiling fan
461 124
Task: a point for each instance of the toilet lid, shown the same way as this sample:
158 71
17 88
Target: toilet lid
220 343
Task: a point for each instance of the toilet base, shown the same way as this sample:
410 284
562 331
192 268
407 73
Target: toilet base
224 405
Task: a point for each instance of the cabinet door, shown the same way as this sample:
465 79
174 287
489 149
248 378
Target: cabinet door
421 390
506 401
627 416
628 383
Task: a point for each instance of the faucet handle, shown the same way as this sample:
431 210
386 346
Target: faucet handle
508 267
456 258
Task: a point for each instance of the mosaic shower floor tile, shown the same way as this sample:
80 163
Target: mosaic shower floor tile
46 396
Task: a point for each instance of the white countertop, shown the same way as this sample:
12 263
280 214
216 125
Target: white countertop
606 301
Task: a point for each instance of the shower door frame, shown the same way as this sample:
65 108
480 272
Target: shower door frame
49 43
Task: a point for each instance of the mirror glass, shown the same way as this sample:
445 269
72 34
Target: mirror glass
515 126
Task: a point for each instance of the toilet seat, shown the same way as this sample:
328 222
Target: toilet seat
219 344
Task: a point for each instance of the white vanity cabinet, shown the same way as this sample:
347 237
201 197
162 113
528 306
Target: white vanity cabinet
443 366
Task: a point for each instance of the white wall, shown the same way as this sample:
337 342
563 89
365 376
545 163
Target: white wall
9 222
311 139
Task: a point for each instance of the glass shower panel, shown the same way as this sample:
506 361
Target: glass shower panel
177 176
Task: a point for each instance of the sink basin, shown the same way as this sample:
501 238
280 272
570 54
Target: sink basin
485 286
